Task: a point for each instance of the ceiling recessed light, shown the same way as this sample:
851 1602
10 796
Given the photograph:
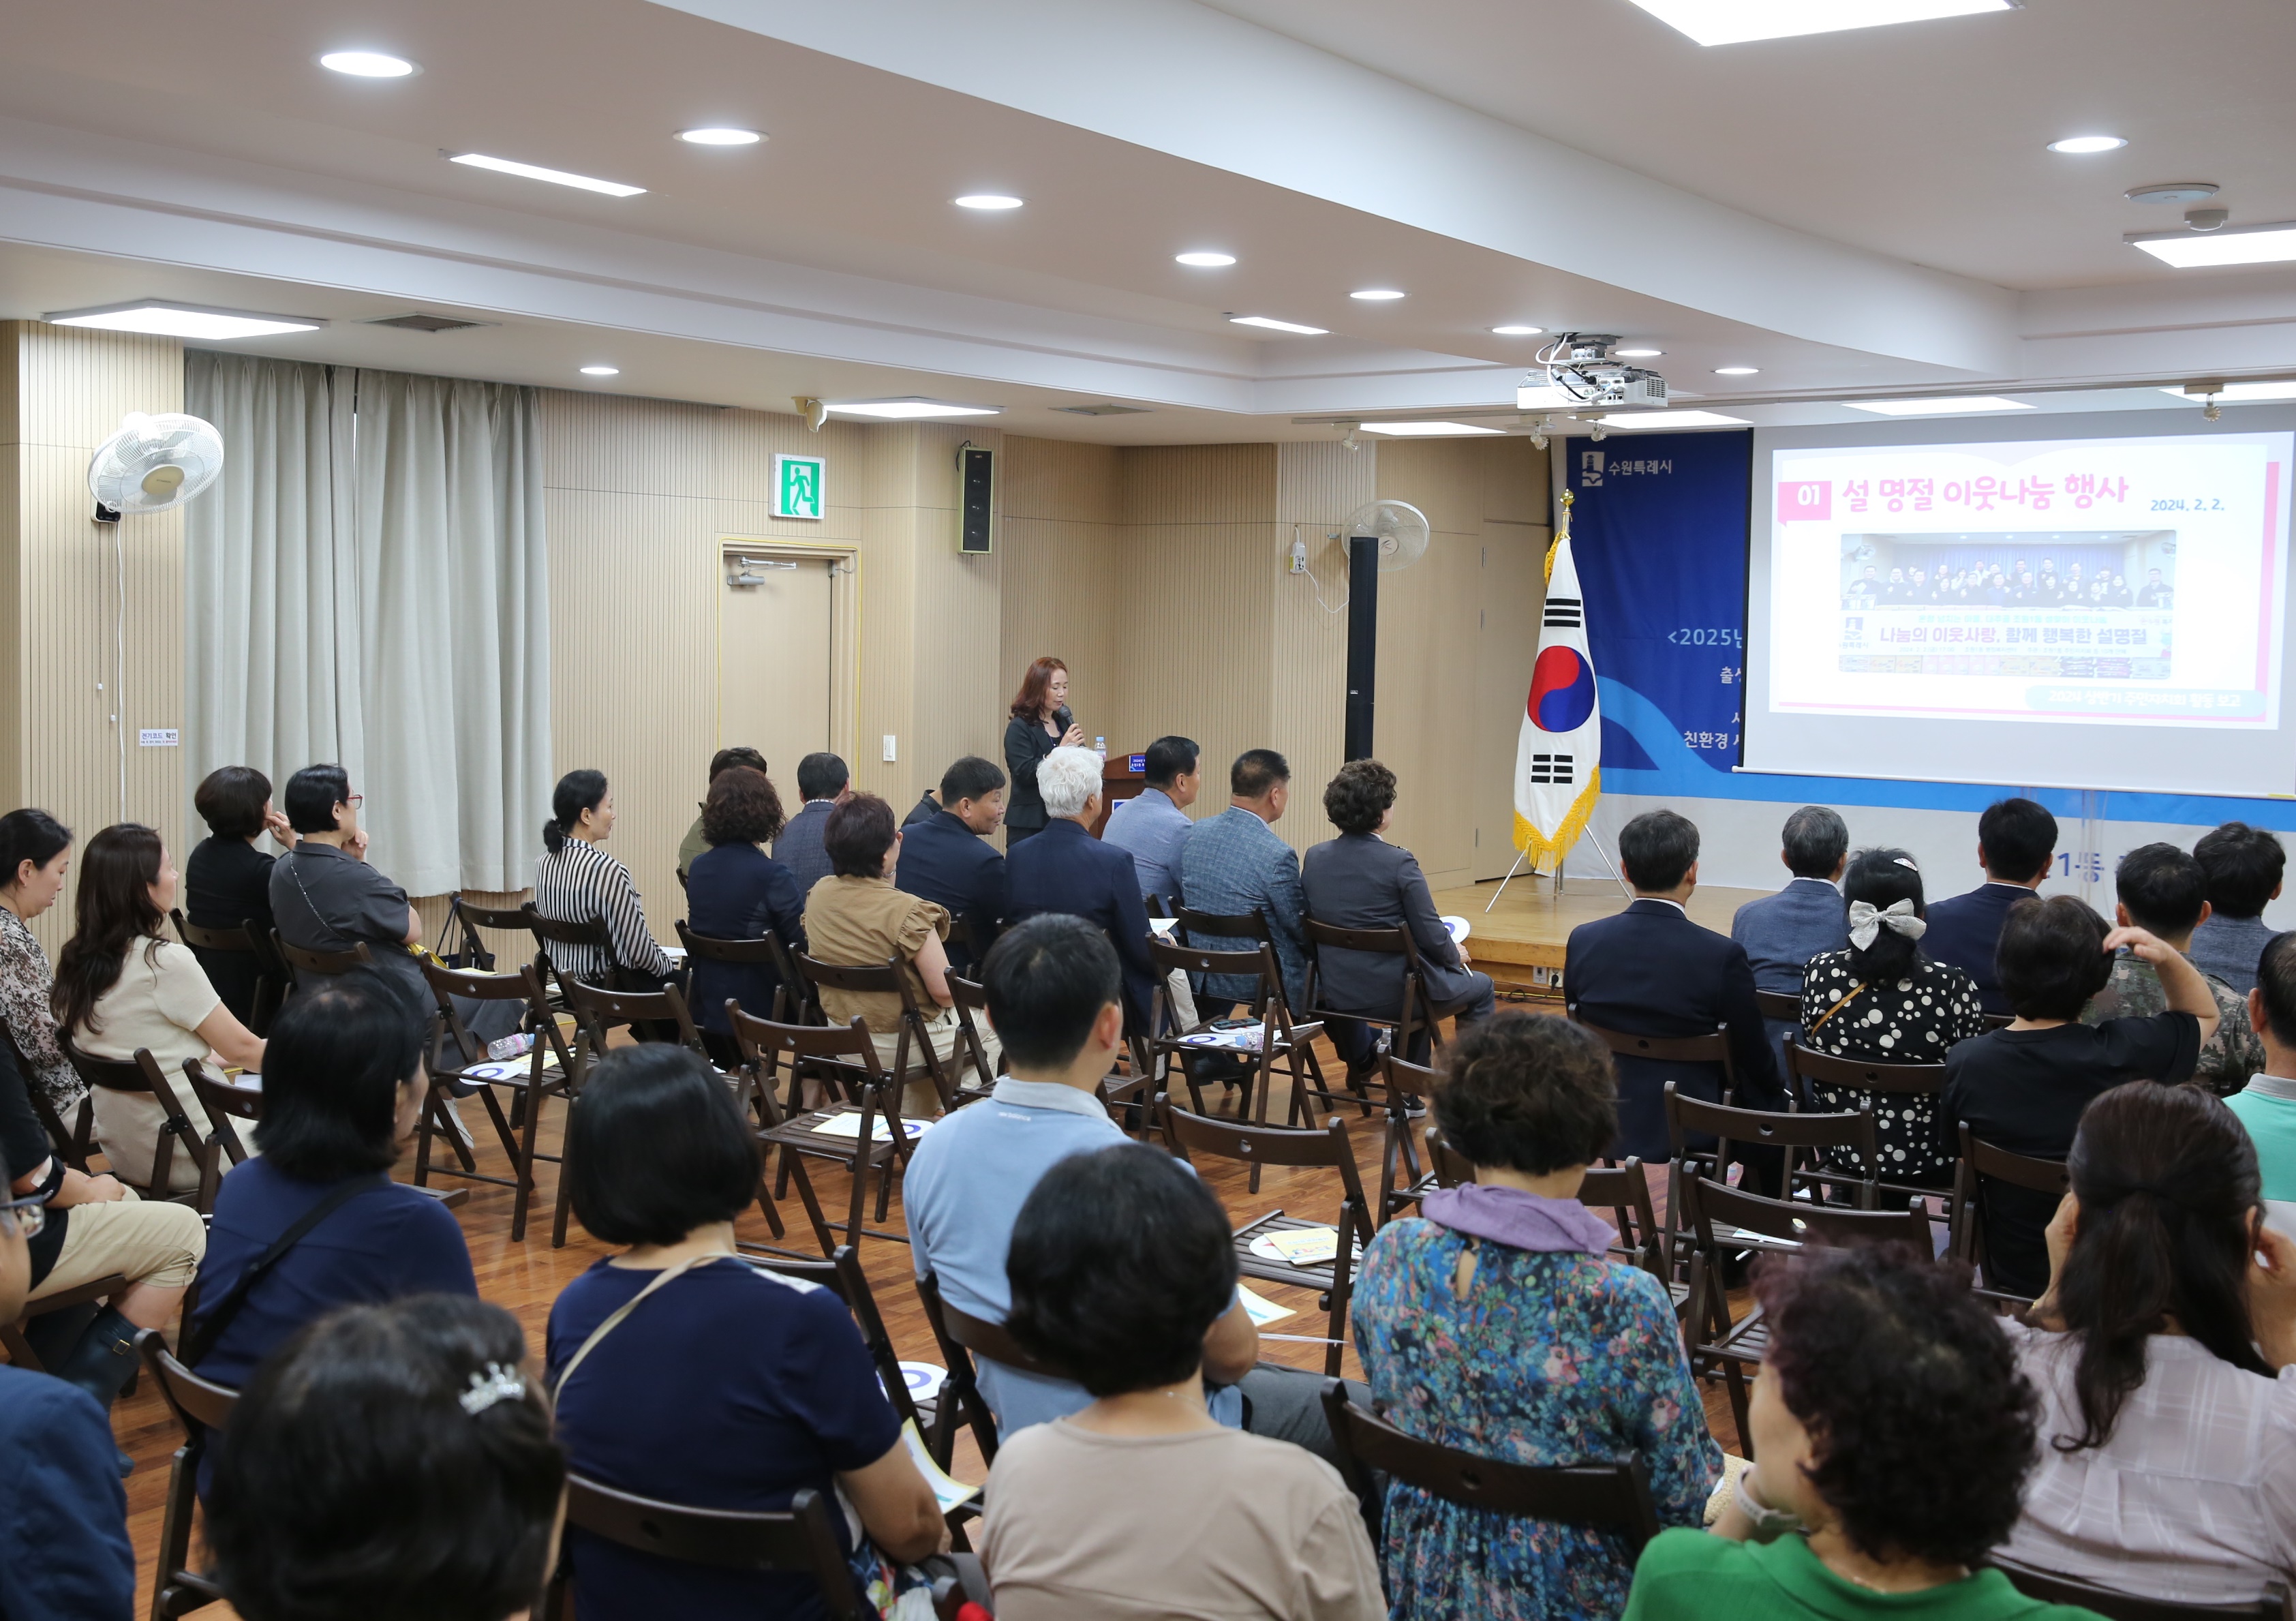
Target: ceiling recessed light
1639 354
555 177
366 64
1424 430
1376 295
1518 332
168 320
1206 260
1713 23
602 371
2266 244
989 202
721 135
1961 405
2284 388
1674 419
906 410
1272 324
2080 146
1737 371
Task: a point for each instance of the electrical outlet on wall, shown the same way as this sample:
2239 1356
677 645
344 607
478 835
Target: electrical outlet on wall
889 748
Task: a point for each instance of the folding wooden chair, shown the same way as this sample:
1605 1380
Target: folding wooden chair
595 1013
549 932
1723 1220
1280 1039
801 1540
1189 1135
1700 1050
1414 1013
846 1059
963 1339
1808 1067
765 951
549 1069
12 1336
1221 932
225 1100
1613 1497
200 1406
970 1002
842 1275
300 962
913 1049
72 1142
471 916
143 1074
2050 1588
1779 1004
1803 1138
1982 1162
1405 1083
245 939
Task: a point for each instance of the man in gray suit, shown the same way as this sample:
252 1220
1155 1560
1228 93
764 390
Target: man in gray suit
823 783
1783 932
1360 881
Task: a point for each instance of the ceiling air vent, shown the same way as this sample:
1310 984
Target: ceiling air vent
429 322
1103 410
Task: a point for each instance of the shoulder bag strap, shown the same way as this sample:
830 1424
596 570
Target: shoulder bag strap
1838 1006
215 1320
614 1320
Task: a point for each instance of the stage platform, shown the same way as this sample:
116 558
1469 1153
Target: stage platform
1520 941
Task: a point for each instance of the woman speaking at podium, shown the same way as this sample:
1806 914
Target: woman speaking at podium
1040 723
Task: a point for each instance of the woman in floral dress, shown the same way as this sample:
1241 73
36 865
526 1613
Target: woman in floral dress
1494 1323
1882 1001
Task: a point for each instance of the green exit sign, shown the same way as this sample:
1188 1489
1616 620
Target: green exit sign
798 481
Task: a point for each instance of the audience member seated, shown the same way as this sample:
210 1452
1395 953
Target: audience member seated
2168 1426
1069 870
93 1228
2267 1107
34 855
926 808
856 918
1142 1504
1651 971
1360 881
1053 984
64 1513
2023 1088
1154 823
697 836
342 1089
121 986
735 891
391 1463
1881 998
1033 732
2243 865
681 1372
576 881
1783 932
1463 1316
2016 840
946 857
325 895
822 783
227 881
1235 865
2163 890
1892 1432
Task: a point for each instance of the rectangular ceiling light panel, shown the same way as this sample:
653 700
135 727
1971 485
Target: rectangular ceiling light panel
169 320
1960 405
556 177
2269 244
1674 419
1426 429
905 410
1714 22
2233 392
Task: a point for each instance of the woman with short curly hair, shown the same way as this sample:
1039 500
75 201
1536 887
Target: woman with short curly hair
1495 1323
1892 1434
735 891
1360 881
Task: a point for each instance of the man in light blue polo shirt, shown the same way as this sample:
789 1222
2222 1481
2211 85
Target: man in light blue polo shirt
1053 988
2268 1107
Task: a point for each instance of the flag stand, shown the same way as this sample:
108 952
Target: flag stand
1609 865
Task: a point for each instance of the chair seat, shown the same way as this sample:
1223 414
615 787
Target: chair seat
1748 1340
1322 1276
801 1135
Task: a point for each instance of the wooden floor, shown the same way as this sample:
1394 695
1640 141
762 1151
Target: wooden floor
1519 941
526 1277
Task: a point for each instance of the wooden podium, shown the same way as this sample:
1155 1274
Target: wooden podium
1121 777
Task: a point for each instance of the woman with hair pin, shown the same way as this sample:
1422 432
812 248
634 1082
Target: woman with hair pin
576 881
2163 1351
1881 1000
121 986
1040 723
34 856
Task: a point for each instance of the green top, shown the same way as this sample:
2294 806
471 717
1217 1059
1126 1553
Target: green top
2267 1108
690 848
1699 1576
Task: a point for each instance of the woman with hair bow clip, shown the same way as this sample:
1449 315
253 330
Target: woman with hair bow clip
1882 1001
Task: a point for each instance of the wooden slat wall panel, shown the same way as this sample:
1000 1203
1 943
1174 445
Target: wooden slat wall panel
1060 541
65 610
1318 486
957 633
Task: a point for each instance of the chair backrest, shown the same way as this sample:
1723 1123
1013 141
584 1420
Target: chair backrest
709 947
523 985
301 961
1624 1190
195 1401
994 1341
2050 1588
597 1010
1611 1496
1778 1004
1669 1050
1452 1168
555 931
969 999
1999 1021
1245 926
799 1539
844 1053
239 938
869 979
1406 1080
1189 1135
70 1143
1861 1073
2018 1170
1386 943
1798 1220
219 1095
1764 1129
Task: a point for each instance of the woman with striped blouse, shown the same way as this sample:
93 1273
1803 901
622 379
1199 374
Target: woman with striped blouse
578 883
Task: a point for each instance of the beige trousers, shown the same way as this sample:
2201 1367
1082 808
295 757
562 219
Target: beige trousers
142 1241
919 1101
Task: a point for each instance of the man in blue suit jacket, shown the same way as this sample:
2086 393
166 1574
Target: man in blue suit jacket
946 857
1651 971
1065 869
1783 932
2016 840
824 784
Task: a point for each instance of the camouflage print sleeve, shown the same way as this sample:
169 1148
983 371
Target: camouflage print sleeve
2235 1051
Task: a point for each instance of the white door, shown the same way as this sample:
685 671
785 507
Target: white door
775 652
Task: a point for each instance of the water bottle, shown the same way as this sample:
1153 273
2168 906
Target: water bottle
1100 747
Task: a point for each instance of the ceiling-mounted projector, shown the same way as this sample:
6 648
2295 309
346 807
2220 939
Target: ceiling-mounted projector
1580 370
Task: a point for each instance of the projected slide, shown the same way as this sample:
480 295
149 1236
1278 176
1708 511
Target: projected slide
2123 582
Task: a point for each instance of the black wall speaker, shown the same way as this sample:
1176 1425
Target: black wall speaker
976 489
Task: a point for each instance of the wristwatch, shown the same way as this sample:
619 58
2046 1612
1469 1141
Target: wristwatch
1768 1524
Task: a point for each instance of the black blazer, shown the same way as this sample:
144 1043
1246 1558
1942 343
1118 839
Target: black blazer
1360 881
944 861
1965 930
1025 744
1651 971
1066 870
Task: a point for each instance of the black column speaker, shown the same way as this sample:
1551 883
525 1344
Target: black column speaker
1363 641
976 489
